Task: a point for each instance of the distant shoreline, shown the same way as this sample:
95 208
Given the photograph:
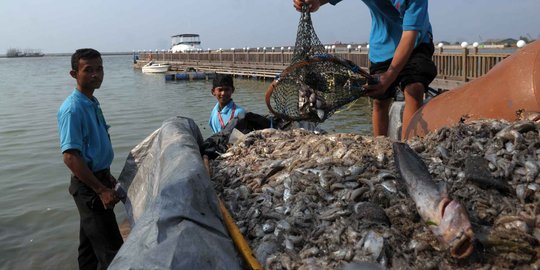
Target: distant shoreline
69 54
492 48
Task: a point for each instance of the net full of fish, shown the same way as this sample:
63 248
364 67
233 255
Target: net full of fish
307 201
316 83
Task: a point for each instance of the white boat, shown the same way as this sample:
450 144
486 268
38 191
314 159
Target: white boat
185 42
152 67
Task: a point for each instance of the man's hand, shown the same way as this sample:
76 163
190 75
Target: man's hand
313 4
108 198
401 57
384 81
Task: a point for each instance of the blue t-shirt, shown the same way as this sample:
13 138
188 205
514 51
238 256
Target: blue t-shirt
81 126
226 113
389 18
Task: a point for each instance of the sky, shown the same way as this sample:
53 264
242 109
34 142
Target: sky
62 26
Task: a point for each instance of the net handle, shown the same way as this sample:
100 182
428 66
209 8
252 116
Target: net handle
326 58
268 97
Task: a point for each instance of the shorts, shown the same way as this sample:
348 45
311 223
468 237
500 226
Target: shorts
420 68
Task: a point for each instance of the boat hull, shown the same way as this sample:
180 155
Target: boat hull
155 68
511 86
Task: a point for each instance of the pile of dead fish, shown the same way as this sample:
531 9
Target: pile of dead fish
307 201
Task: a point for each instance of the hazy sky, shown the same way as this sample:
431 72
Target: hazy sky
57 26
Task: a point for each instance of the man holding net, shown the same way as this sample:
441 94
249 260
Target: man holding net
401 50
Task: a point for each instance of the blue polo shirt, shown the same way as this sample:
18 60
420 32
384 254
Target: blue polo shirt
389 18
81 126
226 113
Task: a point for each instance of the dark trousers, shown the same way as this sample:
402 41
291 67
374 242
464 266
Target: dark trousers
99 235
420 68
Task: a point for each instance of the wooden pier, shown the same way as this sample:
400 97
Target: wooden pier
454 68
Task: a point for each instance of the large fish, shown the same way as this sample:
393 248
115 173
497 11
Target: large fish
447 218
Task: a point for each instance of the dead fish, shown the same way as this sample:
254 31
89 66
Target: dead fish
447 218
510 134
319 104
477 171
321 114
528 115
304 96
363 266
313 98
370 213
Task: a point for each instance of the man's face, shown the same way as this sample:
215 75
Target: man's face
223 94
89 75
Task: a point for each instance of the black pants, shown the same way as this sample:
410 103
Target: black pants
419 68
99 235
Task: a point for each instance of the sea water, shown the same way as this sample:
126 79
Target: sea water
39 223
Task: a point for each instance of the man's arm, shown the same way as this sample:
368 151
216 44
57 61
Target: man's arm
76 164
401 56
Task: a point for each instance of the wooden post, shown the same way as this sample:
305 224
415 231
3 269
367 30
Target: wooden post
475 63
464 67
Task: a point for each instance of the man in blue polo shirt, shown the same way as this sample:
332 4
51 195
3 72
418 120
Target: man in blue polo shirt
400 52
225 109
88 153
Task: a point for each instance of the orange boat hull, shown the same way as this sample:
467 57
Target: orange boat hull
512 85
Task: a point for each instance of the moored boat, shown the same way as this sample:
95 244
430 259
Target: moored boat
152 67
185 42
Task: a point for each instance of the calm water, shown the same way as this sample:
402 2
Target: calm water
38 218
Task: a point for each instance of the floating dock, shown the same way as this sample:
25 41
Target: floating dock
189 75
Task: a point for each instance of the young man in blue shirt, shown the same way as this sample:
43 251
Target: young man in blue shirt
225 109
400 52
88 153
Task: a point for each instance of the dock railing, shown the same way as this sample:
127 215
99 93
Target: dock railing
454 68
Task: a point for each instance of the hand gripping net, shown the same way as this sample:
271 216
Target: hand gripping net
316 84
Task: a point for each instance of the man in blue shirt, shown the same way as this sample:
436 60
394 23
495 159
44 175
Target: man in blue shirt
88 153
225 109
401 50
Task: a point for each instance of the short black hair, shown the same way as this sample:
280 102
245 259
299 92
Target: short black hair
85 53
221 80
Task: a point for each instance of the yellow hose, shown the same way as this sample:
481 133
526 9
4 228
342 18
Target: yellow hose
237 237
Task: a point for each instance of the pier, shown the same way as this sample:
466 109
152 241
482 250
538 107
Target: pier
454 68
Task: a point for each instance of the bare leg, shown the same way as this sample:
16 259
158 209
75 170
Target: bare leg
414 97
380 116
